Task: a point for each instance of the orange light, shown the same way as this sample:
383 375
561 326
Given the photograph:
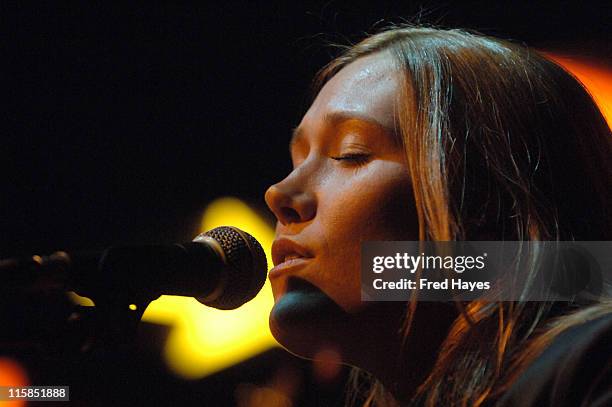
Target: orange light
595 77
12 374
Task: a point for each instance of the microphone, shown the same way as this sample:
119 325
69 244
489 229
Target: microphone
223 268
245 268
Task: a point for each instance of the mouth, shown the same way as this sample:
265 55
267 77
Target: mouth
288 254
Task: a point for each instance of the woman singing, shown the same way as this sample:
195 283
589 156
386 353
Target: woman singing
443 135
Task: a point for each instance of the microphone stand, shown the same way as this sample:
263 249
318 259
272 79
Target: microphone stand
35 313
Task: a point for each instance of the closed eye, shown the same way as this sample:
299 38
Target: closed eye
353 158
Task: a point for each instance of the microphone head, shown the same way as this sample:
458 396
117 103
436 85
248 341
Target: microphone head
246 266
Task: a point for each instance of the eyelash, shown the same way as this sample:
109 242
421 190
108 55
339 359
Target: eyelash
357 159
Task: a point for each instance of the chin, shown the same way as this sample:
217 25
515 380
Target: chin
306 321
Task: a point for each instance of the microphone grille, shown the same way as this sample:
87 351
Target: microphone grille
247 266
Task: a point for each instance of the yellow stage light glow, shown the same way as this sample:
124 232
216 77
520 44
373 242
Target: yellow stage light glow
78 300
204 340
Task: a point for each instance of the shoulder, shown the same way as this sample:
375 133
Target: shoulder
575 370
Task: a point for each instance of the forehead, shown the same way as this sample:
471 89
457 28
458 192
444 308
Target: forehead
366 87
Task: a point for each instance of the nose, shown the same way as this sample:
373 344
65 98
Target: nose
290 203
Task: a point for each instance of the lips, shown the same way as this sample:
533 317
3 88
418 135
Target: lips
286 250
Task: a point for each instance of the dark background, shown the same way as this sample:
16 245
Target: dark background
122 121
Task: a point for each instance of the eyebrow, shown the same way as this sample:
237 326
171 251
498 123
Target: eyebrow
333 118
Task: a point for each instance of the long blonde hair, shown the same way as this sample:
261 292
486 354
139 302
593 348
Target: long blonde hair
501 144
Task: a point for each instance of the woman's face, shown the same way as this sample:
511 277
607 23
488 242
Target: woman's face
349 184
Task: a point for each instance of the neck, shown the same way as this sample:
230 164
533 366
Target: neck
401 364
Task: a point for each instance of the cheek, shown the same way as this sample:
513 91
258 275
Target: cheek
376 205
393 213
